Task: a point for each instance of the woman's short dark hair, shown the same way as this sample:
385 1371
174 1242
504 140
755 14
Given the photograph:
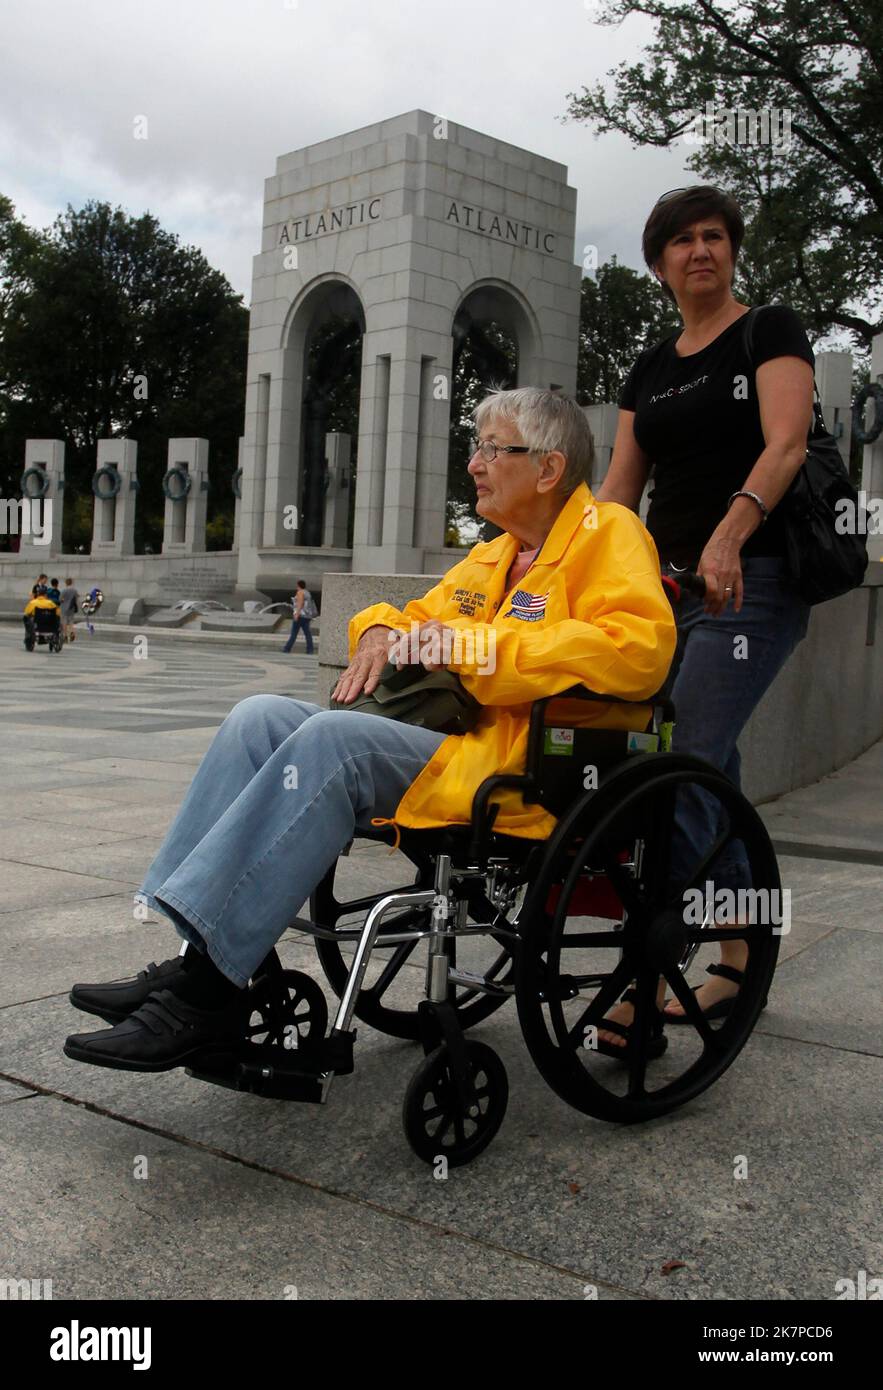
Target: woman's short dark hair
301 583
679 209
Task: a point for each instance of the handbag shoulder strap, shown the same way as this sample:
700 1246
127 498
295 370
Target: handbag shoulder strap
748 339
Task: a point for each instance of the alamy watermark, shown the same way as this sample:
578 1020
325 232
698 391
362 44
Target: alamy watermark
28 1289
442 646
26 516
724 125
732 907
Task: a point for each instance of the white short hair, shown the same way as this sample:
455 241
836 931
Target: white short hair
546 421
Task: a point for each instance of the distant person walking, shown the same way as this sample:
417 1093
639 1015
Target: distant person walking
53 591
69 607
305 610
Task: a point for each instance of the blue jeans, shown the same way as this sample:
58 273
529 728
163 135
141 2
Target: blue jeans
275 800
295 629
716 684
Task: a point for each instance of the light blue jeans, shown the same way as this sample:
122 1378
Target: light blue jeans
275 800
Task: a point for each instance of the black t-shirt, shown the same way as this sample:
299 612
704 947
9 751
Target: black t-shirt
698 420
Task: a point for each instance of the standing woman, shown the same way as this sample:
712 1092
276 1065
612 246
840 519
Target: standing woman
303 611
724 435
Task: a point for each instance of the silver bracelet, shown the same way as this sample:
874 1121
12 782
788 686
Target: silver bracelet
744 492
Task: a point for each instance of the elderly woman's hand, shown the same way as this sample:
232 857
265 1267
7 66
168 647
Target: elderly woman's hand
369 659
431 645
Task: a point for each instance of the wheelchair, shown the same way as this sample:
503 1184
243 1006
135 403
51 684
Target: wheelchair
43 625
561 926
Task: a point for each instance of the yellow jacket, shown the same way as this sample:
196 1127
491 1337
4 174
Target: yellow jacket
41 601
590 610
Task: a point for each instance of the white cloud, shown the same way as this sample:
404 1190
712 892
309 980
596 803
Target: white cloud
227 85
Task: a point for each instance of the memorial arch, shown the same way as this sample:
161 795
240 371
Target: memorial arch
395 236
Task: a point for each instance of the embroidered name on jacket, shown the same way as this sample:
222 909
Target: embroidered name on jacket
528 607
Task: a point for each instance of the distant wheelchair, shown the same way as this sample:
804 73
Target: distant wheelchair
43 626
564 926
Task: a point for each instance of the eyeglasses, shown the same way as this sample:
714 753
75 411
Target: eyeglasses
690 188
489 450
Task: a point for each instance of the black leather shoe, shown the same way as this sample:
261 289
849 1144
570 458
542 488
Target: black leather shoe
164 1033
120 998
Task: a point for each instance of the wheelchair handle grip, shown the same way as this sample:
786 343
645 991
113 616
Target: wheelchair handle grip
692 583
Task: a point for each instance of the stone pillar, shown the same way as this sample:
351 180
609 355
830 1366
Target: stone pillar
872 460
432 446
391 411
41 529
834 379
337 495
113 524
237 492
186 480
603 419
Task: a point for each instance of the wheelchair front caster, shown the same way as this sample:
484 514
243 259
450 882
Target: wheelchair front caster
443 1121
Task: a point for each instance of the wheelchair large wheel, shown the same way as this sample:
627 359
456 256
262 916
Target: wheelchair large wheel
612 910
383 985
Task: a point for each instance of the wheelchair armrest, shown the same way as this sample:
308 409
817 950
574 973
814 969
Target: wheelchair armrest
484 815
579 692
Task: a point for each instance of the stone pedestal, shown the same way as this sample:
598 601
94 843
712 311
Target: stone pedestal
872 458
338 482
834 380
40 523
113 526
187 480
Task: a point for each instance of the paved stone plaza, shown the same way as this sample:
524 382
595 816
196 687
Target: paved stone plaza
247 1198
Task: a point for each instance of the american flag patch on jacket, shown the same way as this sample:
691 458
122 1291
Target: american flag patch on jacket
528 607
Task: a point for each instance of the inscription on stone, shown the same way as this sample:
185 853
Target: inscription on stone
501 228
331 220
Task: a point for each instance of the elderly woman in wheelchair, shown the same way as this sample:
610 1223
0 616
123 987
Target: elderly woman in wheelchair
546 865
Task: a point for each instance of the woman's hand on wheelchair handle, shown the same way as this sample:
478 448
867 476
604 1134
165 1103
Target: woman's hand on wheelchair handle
721 568
363 672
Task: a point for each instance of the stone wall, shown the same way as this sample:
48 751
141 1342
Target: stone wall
158 579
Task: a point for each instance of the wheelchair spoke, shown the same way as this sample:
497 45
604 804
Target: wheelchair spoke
700 873
711 935
687 999
391 969
641 1031
591 938
627 888
606 997
656 865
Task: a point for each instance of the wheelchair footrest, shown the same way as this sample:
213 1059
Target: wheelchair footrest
279 1073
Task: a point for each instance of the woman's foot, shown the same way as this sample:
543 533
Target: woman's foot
714 996
624 1014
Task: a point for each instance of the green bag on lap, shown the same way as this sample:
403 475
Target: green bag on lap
430 699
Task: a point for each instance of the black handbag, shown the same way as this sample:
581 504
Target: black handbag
412 695
823 562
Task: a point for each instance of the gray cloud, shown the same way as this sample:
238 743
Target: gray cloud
227 85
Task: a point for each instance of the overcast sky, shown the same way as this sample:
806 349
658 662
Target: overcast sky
227 85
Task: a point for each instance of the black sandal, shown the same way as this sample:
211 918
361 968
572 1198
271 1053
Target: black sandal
724 1007
656 1046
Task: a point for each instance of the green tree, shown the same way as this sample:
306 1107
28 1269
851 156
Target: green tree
814 205
112 327
621 312
485 359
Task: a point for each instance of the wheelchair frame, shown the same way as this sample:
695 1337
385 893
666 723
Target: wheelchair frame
462 1082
